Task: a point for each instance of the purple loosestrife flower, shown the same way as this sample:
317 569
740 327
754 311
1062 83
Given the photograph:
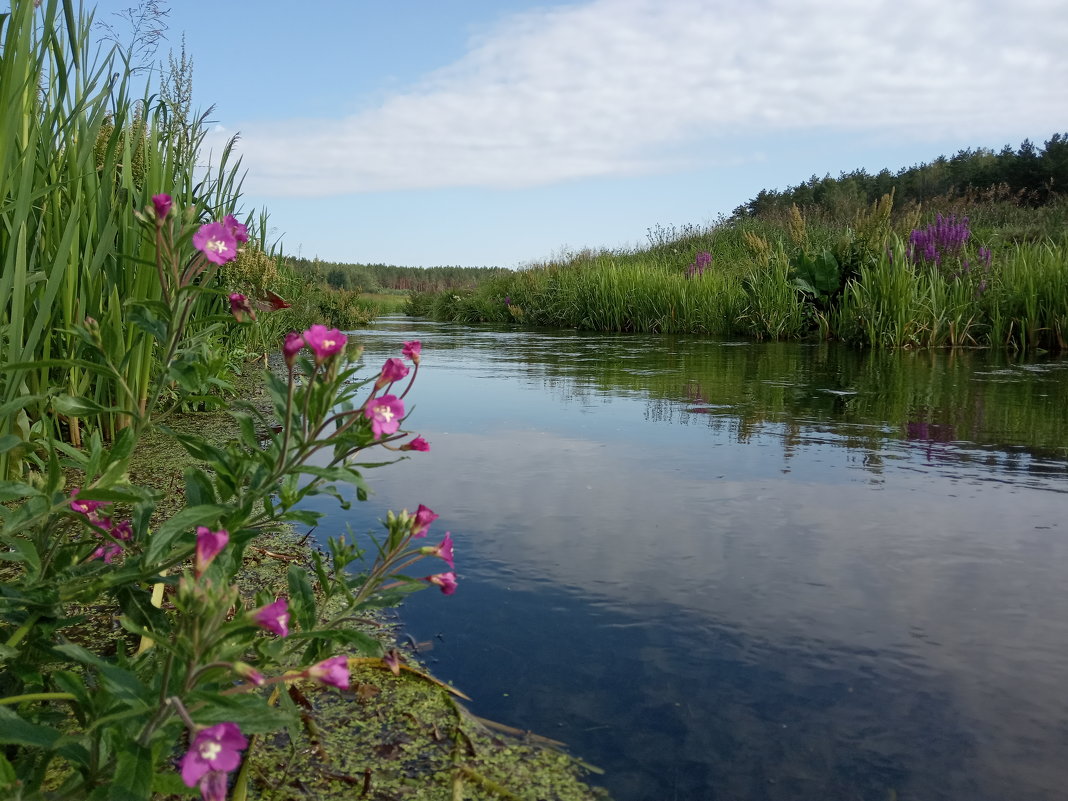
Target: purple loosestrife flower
215 748
417 444
240 307
447 582
392 370
324 342
385 414
292 346
209 544
411 350
333 671
238 229
162 205
422 520
216 241
274 617
444 550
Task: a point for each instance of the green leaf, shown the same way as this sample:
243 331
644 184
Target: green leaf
134 770
9 441
16 731
198 489
72 406
13 490
365 644
167 782
301 597
144 315
22 550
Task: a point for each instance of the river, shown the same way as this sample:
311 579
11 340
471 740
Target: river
735 570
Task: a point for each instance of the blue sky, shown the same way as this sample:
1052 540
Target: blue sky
430 132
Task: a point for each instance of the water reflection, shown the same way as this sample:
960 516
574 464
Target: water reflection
750 571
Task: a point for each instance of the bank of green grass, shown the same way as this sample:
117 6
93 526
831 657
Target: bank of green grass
884 300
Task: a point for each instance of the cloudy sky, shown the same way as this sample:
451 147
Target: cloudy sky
499 132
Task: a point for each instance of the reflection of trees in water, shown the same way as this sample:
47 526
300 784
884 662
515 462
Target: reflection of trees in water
951 405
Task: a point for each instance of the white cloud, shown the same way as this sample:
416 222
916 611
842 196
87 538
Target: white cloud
616 87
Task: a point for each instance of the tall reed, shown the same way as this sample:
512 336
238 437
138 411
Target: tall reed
80 152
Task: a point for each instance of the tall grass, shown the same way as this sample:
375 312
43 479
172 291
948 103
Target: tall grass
80 152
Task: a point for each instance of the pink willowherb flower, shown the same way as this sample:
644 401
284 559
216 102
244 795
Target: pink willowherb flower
444 550
292 346
238 229
392 370
213 785
209 544
239 307
216 241
385 414
87 508
274 617
107 552
422 520
324 342
447 582
215 748
333 671
162 205
417 444
411 350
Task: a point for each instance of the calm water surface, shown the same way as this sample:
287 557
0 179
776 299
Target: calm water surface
725 570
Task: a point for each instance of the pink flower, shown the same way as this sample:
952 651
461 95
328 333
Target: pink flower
444 550
216 241
162 204
392 659
108 551
239 231
215 748
292 346
87 508
239 307
324 342
417 444
447 582
246 671
122 531
333 671
274 617
213 785
411 350
423 518
209 544
392 370
385 414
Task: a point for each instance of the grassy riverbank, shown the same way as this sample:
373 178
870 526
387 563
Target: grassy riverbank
388 737
966 270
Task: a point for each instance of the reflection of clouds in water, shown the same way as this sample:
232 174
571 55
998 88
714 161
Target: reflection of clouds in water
958 579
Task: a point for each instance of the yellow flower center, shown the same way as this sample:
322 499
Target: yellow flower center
384 412
329 343
217 245
209 750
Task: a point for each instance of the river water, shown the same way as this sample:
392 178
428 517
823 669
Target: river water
733 570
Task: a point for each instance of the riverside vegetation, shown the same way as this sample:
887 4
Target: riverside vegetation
939 258
144 650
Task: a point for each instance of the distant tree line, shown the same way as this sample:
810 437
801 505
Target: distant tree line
1031 175
391 278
